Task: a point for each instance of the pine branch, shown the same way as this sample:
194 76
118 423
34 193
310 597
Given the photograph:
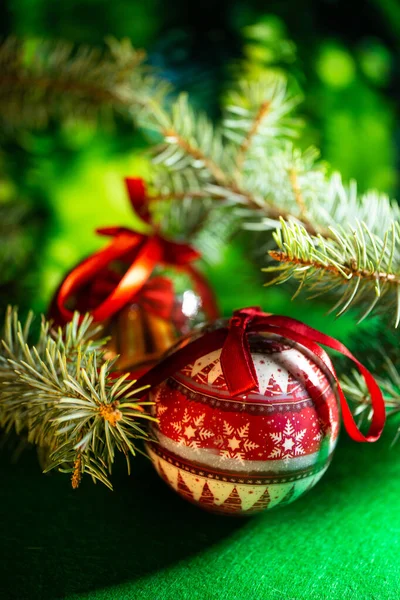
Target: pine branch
298 195
358 265
333 240
198 162
336 203
257 112
245 145
62 395
248 166
44 80
192 152
41 80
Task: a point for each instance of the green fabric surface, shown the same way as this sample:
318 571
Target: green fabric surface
341 540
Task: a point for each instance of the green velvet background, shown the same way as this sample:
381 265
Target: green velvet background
341 540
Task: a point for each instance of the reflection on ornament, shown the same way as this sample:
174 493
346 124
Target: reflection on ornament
140 335
169 303
143 288
190 303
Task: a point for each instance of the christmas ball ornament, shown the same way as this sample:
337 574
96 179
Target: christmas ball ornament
254 451
248 414
142 288
166 308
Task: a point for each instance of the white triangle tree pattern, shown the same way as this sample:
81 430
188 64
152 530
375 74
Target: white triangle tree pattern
287 443
279 369
208 368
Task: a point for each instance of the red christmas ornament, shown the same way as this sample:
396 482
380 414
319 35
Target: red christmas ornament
130 287
248 414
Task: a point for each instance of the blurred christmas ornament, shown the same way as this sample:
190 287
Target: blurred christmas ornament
143 288
248 413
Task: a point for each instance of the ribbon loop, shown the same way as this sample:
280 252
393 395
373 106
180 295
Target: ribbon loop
238 367
242 318
236 361
137 195
157 297
142 253
148 251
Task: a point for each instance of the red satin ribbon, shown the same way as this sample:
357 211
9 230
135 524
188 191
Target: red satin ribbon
157 297
137 195
149 251
144 253
238 368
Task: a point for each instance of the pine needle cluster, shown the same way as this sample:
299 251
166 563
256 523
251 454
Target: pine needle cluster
42 80
327 237
61 395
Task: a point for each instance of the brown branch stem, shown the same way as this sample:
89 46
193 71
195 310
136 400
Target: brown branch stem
269 210
101 95
77 472
245 145
182 196
391 278
197 154
298 196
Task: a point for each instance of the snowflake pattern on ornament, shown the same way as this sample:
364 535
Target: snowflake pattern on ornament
191 430
161 409
237 440
287 443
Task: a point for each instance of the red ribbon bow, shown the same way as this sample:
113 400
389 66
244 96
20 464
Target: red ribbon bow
238 368
144 253
157 297
138 197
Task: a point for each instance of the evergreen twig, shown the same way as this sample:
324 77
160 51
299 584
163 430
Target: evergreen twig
62 395
360 266
41 80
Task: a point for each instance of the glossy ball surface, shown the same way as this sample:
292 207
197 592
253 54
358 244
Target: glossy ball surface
165 309
139 336
241 455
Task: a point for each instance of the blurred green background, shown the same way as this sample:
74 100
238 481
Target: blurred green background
69 179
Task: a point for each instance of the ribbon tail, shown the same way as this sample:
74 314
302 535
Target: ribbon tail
90 267
133 280
303 333
237 363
